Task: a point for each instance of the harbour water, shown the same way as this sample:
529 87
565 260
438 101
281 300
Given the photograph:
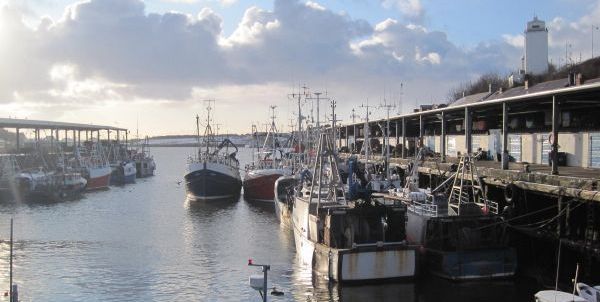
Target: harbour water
145 242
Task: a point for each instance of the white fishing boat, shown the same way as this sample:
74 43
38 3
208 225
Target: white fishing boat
347 241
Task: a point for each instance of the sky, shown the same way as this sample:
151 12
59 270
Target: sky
149 65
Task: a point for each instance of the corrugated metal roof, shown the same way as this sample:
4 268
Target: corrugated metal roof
33 124
469 99
545 89
521 91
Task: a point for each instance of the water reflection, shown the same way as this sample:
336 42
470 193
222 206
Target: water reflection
208 208
146 242
384 292
259 206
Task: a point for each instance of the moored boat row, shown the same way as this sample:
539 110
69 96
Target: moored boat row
53 175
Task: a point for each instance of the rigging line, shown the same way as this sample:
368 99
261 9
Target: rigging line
556 217
535 212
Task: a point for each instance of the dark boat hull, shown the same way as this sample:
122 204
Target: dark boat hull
472 265
206 184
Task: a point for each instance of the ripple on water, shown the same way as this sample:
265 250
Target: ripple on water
146 242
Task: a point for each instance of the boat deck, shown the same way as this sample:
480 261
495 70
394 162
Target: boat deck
576 182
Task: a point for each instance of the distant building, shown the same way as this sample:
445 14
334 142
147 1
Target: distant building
536 47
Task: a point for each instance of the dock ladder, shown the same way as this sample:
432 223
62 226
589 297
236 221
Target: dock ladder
467 188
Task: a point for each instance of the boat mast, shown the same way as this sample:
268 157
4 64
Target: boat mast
333 105
386 139
317 135
274 137
198 133
366 143
208 131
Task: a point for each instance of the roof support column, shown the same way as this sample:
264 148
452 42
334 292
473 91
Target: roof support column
339 129
126 141
555 126
79 138
504 156
421 133
354 139
66 136
443 138
347 138
108 135
468 131
403 137
98 135
18 141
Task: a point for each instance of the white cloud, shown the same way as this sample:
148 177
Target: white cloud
410 8
514 40
431 57
114 51
227 2
315 5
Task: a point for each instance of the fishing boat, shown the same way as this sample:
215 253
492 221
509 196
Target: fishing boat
42 185
348 241
144 162
285 187
462 235
589 293
284 198
123 172
213 174
268 166
93 165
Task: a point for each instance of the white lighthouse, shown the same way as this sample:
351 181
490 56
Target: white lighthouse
536 47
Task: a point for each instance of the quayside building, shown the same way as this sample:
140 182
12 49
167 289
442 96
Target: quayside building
539 158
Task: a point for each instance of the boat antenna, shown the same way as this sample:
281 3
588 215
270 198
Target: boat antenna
353 116
208 132
298 97
386 139
333 105
319 98
400 98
